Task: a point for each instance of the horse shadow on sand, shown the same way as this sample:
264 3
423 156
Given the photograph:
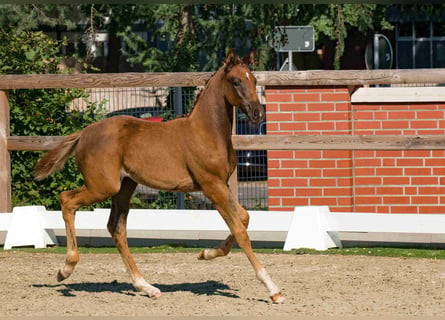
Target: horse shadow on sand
208 288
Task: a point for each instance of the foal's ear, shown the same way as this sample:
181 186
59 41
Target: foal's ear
250 59
231 59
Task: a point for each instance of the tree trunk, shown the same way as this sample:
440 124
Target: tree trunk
114 54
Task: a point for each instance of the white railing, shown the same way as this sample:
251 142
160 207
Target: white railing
33 225
317 228
305 227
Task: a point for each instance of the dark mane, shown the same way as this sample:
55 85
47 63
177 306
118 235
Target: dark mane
236 60
185 115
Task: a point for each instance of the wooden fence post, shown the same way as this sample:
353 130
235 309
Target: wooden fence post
5 162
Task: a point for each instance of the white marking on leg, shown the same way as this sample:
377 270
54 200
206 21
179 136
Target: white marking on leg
141 285
263 276
209 254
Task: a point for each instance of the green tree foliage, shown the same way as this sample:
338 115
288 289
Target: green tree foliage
189 31
39 113
31 16
207 30
210 30
334 21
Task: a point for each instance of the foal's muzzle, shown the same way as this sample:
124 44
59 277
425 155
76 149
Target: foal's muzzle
255 112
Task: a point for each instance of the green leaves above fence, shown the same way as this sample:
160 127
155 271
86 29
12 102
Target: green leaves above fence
37 112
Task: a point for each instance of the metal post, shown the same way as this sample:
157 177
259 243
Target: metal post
179 110
376 51
289 60
177 101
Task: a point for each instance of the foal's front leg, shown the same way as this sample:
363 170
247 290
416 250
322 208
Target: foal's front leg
235 217
225 246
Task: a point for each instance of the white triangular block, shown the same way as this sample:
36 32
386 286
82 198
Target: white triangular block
308 229
27 228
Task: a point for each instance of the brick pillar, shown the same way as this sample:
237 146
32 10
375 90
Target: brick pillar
299 177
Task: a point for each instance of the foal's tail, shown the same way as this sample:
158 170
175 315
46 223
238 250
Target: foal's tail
55 159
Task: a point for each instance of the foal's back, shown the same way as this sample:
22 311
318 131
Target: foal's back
150 153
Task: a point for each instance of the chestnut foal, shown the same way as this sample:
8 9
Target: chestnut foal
185 154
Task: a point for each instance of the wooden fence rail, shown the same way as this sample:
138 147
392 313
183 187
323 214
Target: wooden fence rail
285 142
274 79
190 79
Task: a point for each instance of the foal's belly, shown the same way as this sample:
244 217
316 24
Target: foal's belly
179 185
163 179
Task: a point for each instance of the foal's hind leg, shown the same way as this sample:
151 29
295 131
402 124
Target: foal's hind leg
225 246
223 249
117 226
71 201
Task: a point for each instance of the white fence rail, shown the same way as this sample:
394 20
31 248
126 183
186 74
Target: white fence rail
317 228
34 225
305 227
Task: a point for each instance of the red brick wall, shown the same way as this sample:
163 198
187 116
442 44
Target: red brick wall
362 181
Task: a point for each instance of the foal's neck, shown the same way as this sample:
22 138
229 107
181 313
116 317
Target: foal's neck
212 109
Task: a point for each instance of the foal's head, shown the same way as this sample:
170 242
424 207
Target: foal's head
240 87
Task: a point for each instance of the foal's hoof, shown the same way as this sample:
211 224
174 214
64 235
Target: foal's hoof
155 295
201 255
277 298
143 286
209 254
151 292
62 275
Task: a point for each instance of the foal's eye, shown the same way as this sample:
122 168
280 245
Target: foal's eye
236 82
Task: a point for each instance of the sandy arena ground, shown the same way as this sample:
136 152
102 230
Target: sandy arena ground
312 285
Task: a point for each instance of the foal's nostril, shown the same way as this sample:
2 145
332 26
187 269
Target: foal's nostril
256 114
